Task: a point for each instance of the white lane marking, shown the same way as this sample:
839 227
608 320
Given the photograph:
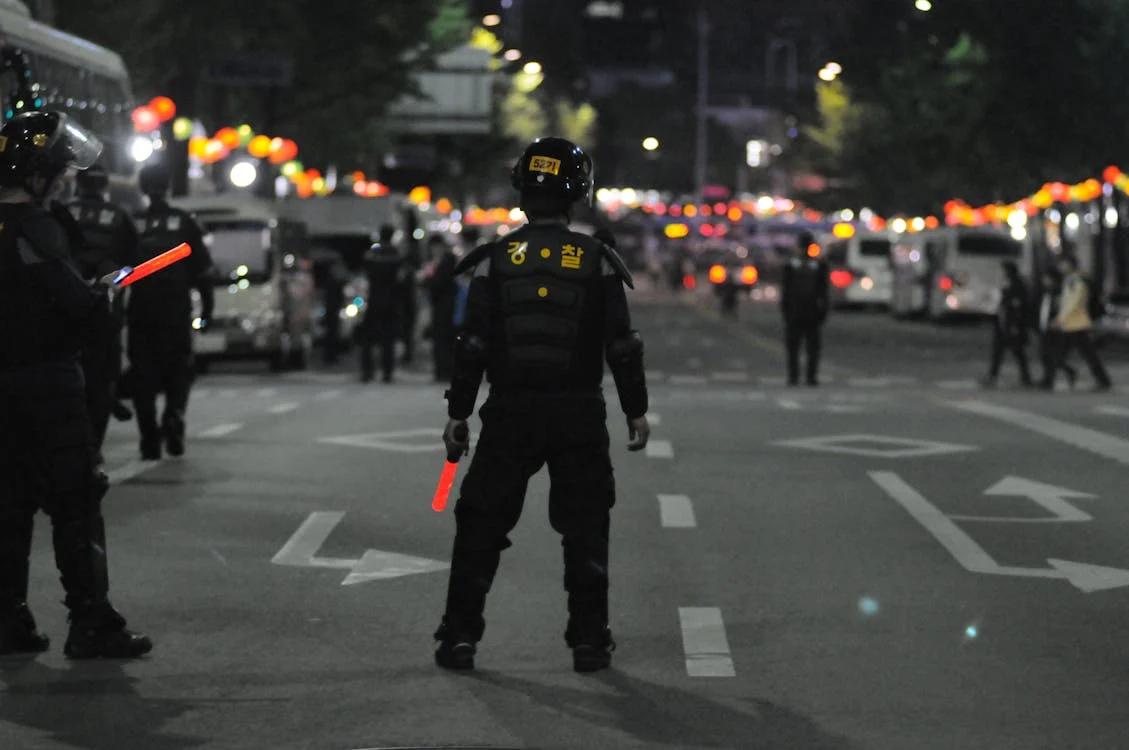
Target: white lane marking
283 408
1112 411
328 395
790 404
703 639
677 512
299 551
220 430
1100 443
729 377
958 385
131 470
267 392
660 449
687 380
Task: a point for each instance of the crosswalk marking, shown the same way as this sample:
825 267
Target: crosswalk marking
283 408
676 512
660 449
705 644
221 430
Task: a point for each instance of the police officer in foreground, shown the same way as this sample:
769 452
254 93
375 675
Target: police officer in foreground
160 317
546 308
46 454
386 273
805 300
109 242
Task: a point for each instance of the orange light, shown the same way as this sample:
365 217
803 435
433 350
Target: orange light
814 250
689 281
359 188
735 214
1059 191
1111 173
229 137
313 174
420 194
443 206
932 222
718 274
841 279
358 176
164 107
145 120
945 283
676 231
198 147
690 211
749 275
371 189
259 147
282 150
706 211
843 231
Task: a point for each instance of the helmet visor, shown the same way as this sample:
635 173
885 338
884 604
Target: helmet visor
81 146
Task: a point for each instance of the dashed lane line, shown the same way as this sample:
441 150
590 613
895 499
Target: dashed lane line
220 430
676 512
705 644
283 408
660 449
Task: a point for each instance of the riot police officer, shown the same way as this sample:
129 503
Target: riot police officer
160 317
546 308
109 242
804 300
384 267
46 451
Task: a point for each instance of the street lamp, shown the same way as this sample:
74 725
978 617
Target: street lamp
924 6
243 174
532 68
830 71
651 143
491 20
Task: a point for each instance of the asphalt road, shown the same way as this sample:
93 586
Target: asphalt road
789 572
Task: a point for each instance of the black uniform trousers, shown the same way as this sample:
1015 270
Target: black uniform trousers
47 463
380 327
807 331
443 339
161 361
520 434
409 318
1083 341
1049 347
1017 345
101 367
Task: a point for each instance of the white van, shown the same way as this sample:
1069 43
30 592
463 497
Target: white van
954 271
861 268
264 285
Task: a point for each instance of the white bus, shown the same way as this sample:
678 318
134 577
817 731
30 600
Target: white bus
88 82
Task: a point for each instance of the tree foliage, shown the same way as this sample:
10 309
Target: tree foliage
983 101
351 60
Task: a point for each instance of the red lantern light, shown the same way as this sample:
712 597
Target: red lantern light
1059 191
283 150
164 107
1111 174
229 137
145 120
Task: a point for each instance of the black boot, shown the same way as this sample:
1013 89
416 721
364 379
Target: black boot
151 448
457 656
121 412
173 429
592 655
19 633
98 631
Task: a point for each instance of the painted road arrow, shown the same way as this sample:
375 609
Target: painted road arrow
972 557
1052 498
301 552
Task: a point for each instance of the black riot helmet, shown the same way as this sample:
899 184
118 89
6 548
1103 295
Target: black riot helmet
153 179
44 145
93 181
553 172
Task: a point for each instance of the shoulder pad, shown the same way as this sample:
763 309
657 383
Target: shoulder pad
46 233
473 258
616 262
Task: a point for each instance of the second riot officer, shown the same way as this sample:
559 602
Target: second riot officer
384 267
804 301
109 243
46 452
545 310
160 317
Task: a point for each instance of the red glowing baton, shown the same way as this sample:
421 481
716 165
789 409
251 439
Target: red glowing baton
151 266
447 478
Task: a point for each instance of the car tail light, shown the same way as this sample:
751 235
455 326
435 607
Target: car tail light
945 283
841 278
749 275
718 274
689 282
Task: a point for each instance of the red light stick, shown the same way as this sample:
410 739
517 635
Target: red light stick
151 266
447 478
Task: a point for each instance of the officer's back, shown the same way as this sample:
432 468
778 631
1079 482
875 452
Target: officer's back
547 335
385 268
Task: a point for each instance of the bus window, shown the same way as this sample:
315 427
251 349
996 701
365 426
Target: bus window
991 247
837 253
874 248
